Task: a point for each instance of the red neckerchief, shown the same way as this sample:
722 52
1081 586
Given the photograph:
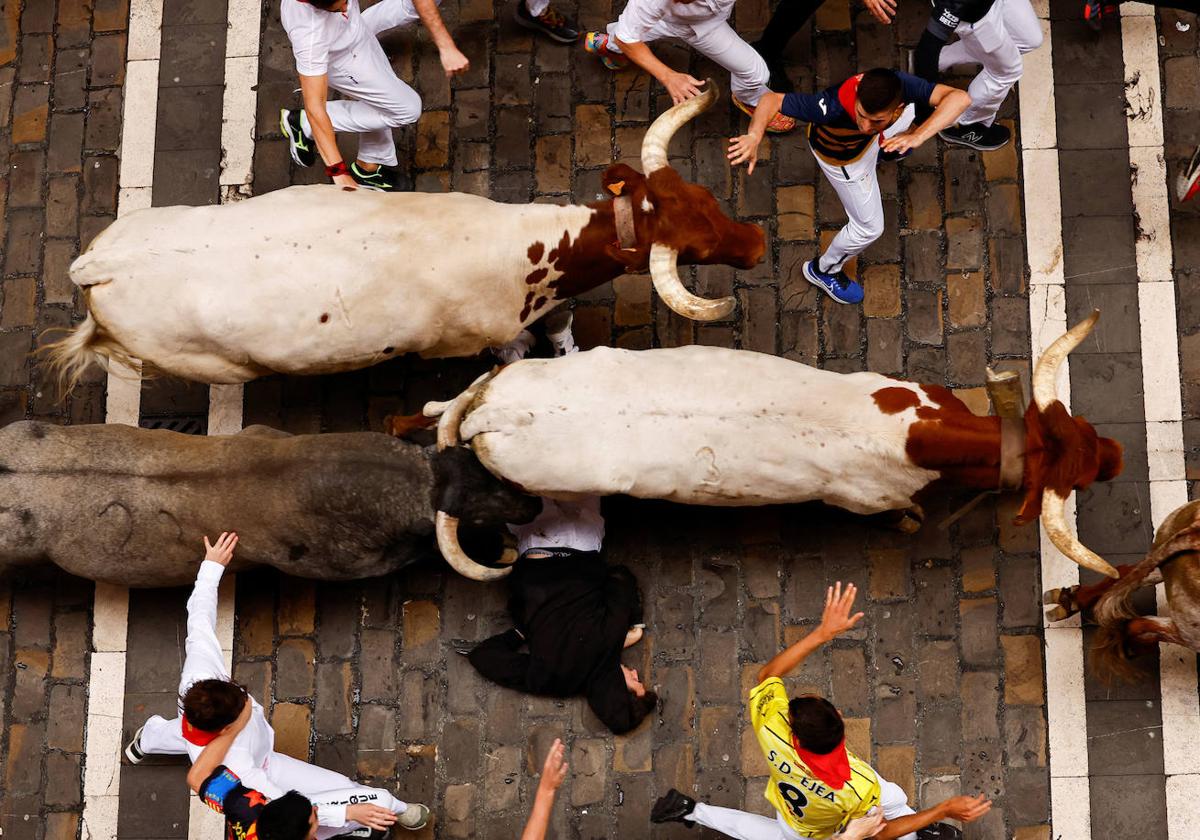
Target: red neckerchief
832 768
196 736
848 94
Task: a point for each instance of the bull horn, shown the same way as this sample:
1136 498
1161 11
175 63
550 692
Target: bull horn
1054 520
447 540
658 136
665 272
1046 371
1004 390
450 414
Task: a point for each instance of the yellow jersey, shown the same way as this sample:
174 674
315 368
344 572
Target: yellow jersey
808 805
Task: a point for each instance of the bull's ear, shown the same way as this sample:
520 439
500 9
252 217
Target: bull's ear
622 179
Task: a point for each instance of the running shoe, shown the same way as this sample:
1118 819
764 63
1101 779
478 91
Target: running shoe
939 831
835 284
673 807
1189 181
133 750
415 817
550 23
301 146
1093 13
597 44
985 138
781 123
383 179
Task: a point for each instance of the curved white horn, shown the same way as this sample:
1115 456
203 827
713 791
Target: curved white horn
447 539
452 412
665 273
1054 520
1046 371
658 136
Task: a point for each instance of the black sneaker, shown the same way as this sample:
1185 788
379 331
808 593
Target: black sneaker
939 831
673 808
550 23
384 178
303 149
133 750
985 138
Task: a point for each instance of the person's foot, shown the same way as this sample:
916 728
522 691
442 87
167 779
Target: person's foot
939 831
835 284
558 331
1189 181
779 80
1093 13
673 807
366 833
415 817
634 635
382 178
550 23
597 44
516 349
781 123
133 750
985 138
303 150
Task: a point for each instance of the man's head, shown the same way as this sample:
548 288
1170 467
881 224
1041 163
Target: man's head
880 100
290 817
816 723
211 705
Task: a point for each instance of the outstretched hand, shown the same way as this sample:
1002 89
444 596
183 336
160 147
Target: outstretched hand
836 619
222 550
744 149
967 808
554 770
863 827
372 816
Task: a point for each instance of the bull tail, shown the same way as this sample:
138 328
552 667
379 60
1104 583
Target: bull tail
85 345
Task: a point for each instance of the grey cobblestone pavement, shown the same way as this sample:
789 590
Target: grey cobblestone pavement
943 685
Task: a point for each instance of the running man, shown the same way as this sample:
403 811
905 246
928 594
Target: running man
336 46
211 702
849 125
818 787
702 24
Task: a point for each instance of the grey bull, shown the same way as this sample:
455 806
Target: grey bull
129 506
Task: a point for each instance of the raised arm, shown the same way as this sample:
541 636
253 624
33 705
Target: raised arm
948 105
204 659
213 754
553 772
453 61
681 86
315 91
835 620
744 149
964 808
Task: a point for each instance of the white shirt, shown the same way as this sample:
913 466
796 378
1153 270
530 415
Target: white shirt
249 755
318 35
576 525
641 16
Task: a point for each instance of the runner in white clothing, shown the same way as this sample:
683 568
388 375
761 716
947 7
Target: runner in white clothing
211 703
336 46
704 24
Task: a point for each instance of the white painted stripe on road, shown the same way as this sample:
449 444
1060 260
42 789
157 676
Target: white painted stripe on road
1162 393
1066 710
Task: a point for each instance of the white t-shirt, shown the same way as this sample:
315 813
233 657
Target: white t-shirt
640 16
316 34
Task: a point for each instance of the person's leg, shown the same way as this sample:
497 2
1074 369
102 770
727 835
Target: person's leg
1022 24
789 17
738 824
380 102
162 737
990 45
536 7
326 787
894 802
388 14
749 76
857 185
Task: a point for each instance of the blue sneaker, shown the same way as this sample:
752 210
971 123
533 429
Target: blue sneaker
838 286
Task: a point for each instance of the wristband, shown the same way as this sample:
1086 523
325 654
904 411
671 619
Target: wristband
335 169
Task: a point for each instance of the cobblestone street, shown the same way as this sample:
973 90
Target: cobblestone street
944 685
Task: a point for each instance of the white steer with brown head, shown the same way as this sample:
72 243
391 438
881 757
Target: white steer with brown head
709 426
318 279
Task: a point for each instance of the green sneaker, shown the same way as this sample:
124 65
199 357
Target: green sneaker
383 179
301 146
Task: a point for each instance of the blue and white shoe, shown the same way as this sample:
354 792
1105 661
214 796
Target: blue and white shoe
837 285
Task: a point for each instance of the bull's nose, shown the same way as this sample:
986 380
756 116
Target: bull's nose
758 247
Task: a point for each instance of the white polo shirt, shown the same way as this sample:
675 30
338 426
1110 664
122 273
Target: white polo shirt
318 35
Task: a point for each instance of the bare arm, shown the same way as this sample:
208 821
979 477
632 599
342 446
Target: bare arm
213 754
553 773
315 90
964 808
745 147
681 86
948 105
453 61
834 621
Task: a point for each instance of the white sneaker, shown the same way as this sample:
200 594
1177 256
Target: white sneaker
415 817
516 349
133 750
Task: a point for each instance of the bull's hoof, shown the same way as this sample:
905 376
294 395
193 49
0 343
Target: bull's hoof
909 521
1062 602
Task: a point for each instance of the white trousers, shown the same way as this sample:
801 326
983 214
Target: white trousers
320 786
747 69
997 41
745 826
857 185
535 7
378 100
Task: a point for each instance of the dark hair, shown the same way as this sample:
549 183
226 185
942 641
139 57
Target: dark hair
879 90
285 818
639 707
211 705
816 724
